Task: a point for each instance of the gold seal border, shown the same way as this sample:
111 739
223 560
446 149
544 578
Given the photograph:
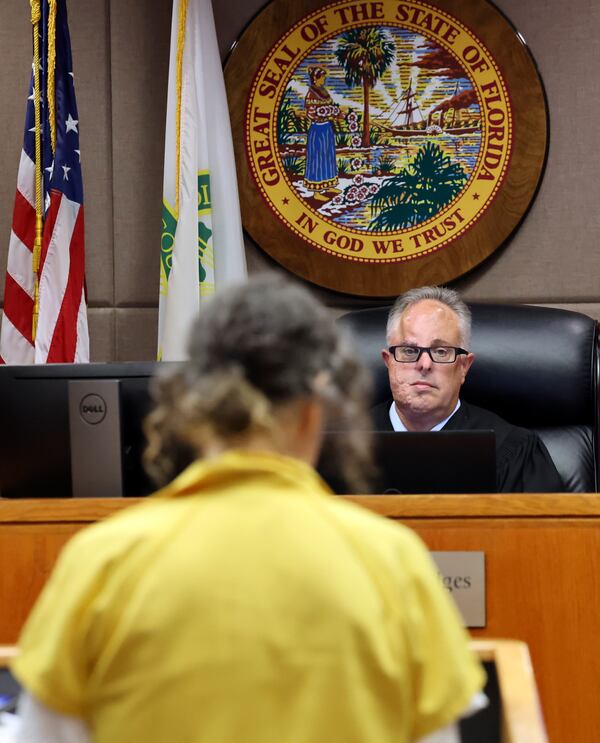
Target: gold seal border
282 85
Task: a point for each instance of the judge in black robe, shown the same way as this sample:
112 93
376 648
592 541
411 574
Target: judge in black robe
523 464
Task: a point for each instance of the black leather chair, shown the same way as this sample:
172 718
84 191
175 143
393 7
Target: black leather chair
536 367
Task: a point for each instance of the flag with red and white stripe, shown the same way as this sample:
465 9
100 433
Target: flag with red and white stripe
60 332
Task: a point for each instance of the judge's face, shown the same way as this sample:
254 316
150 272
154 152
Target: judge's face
425 392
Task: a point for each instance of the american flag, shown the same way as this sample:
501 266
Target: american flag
62 331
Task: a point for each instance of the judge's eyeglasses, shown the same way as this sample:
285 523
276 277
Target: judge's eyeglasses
438 354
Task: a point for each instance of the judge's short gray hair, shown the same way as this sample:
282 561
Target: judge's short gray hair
441 294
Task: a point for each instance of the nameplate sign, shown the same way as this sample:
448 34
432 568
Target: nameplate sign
463 574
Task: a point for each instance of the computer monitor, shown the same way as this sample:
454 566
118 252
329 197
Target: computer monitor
41 447
421 462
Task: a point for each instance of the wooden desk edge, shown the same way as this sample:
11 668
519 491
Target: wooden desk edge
65 510
7 654
522 718
522 505
529 505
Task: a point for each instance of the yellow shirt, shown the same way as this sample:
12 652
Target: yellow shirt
245 603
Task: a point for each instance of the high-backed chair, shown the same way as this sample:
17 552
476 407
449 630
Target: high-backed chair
537 367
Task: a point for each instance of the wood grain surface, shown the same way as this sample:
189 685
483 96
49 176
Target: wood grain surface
542 564
522 720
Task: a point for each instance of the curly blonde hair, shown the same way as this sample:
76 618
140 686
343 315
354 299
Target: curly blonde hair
254 348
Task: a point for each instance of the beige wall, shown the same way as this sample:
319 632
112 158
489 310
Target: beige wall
120 50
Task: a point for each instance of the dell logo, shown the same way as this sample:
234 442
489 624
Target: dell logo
92 409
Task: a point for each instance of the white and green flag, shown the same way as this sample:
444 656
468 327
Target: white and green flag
202 248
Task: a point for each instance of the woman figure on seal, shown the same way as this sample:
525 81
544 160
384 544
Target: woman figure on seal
321 174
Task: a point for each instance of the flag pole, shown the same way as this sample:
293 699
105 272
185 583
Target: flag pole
50 73
179 82
36 15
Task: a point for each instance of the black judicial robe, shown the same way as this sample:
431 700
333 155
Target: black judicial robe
523 464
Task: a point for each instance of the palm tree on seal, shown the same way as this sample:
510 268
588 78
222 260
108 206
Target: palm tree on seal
418 191
365 54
